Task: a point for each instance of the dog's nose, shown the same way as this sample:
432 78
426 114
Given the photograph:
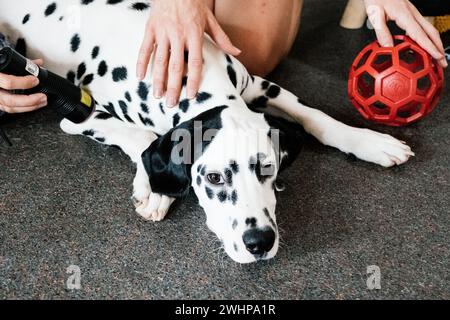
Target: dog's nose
259 241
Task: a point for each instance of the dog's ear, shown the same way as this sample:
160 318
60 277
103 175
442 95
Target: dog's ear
287 137
169 159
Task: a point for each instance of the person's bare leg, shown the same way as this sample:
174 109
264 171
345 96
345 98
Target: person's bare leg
263 29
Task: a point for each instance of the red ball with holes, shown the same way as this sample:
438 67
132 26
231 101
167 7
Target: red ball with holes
395 86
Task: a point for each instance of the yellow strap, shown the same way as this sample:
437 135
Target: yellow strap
86 98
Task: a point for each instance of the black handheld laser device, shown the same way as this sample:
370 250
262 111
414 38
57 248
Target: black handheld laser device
69 100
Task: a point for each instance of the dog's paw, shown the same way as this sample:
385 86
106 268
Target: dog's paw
141 191
155 208
141 187
69 127
378 148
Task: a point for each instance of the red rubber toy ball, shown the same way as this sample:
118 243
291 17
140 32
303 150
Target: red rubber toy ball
395 86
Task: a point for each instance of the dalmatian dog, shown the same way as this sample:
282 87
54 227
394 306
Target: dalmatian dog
228 144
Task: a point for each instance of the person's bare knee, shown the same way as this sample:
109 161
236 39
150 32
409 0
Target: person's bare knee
263 57
263 30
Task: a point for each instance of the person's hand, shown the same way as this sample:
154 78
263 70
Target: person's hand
17 103
176 26
407 17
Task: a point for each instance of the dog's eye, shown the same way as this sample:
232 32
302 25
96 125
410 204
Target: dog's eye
215 178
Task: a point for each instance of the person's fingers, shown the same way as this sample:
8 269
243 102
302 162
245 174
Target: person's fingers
160 67
145 52
195 65
10 82
22 101
443 62
219 36
416 33
377 18
39 62
176 67
22 109
431 32
407 22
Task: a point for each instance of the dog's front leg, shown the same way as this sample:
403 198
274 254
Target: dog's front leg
149 205
132 141
365 144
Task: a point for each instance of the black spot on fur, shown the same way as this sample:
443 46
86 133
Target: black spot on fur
26 18
88 133
247 81
228 59
199 180
71 76
234 197
110 108
222 196
251 222
231 97
203 96
229 176
234 166
209 193
232 75
235 246
140 6
102 68
113 1
267 214
273 91
260 102
75 43
161 107
81 70
142 91
265 84
128 96
95 52
86 2
101 140
203 171
146 121
103 115
119 74
176 120
199 167
88 79
50 9
124 107
234 224
144 107
184 105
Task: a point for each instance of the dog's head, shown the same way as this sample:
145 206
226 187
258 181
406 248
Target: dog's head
231 159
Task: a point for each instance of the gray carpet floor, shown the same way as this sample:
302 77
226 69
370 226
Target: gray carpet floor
65 200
